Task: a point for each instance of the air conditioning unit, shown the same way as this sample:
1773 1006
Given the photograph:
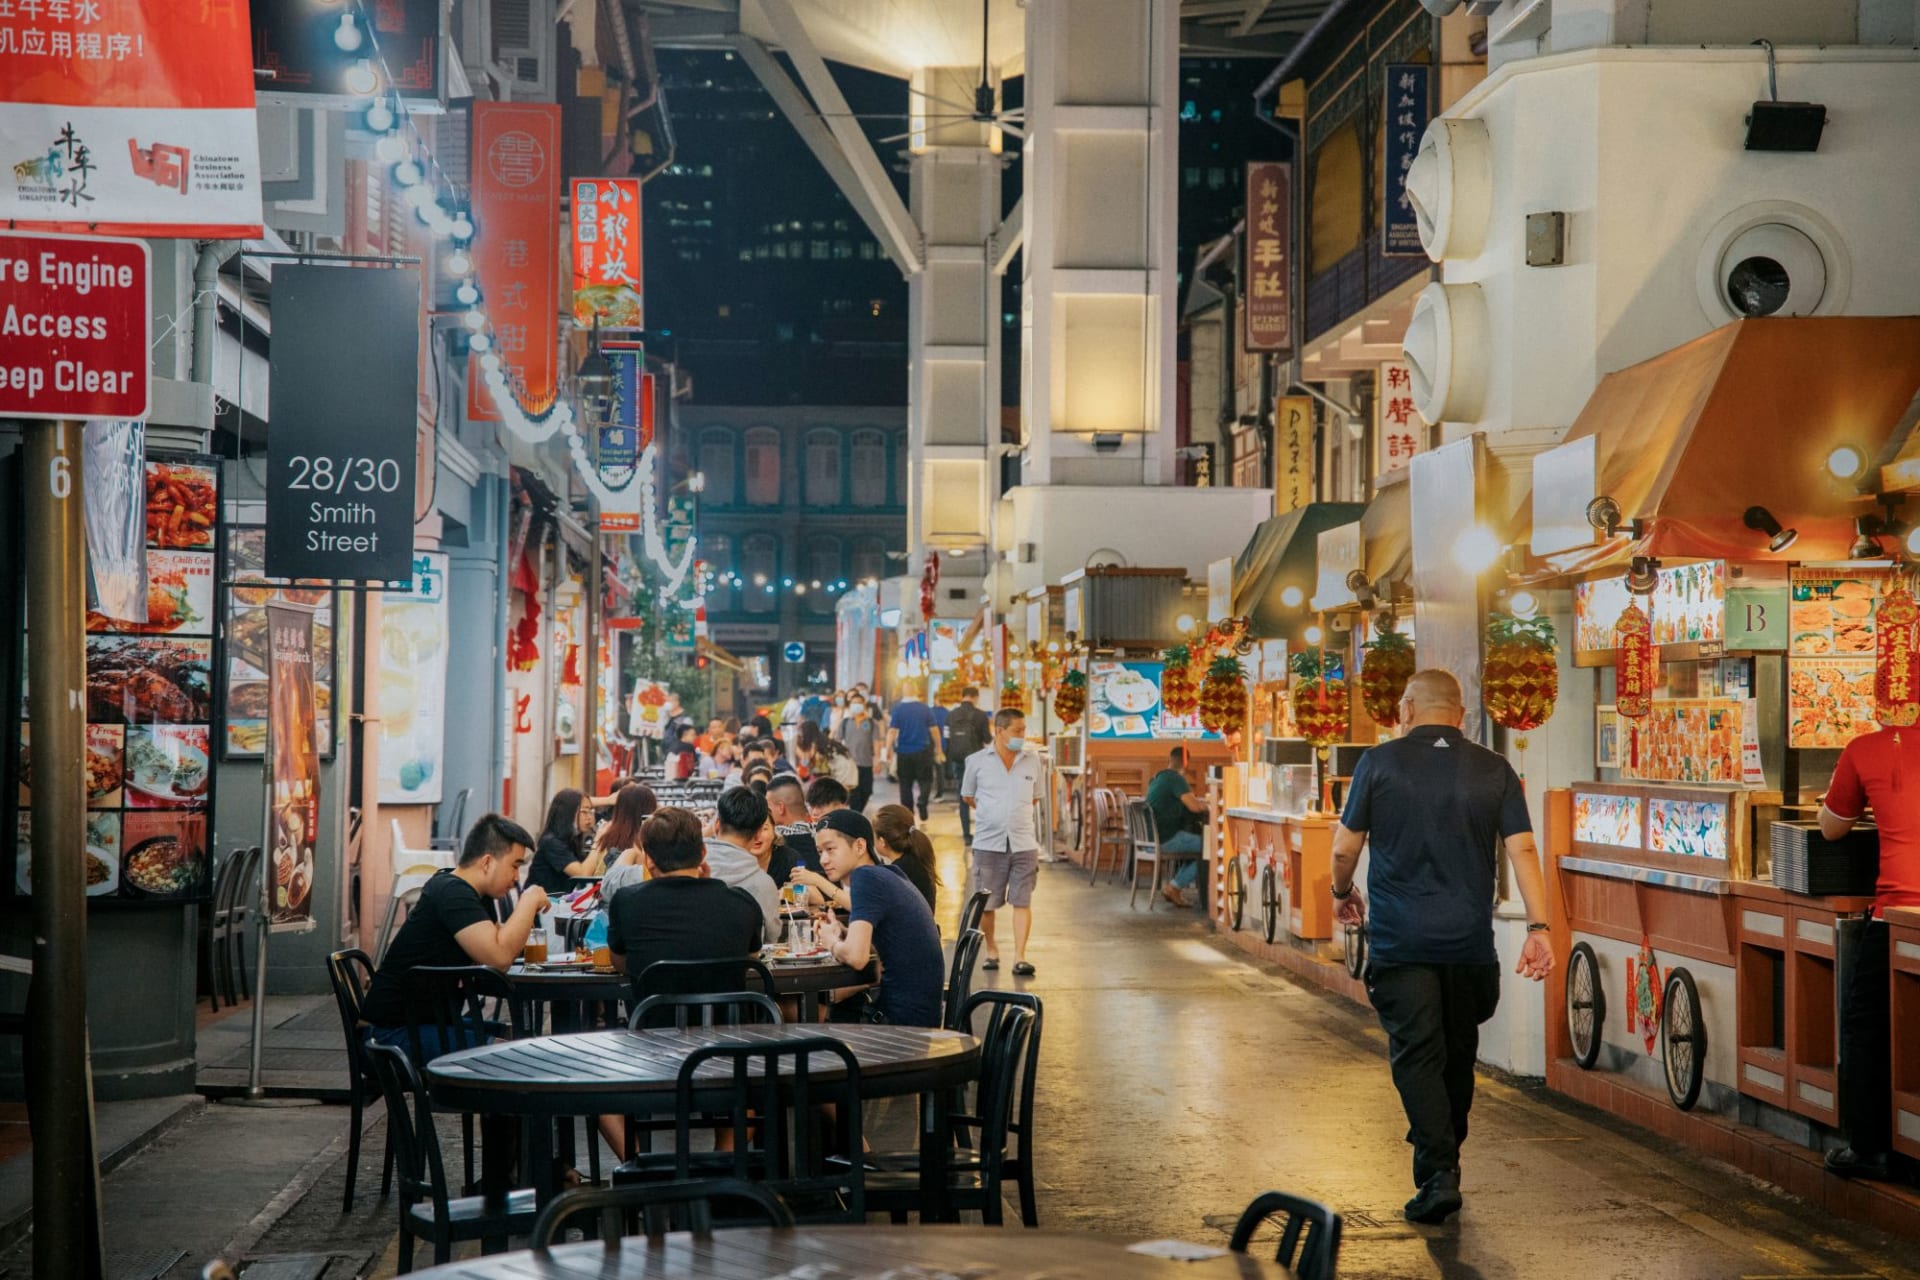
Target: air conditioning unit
521 46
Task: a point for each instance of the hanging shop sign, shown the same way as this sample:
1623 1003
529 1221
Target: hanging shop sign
1687 613
312 55
1399 430
606 253
1292 453
293 772
413 685
1896 672
1832 651
1405 115
1269 245
74 324
516 188
1634 671
340 458
618 461
128 119
1757 620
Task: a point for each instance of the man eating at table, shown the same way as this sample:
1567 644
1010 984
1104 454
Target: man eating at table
681 912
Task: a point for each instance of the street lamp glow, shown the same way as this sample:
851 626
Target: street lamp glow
1913 541
1314 635
1184 624
1846 462
1523 604
1291 597
759 579
1476 550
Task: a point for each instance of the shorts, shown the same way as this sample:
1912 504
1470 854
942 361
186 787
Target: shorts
1006 878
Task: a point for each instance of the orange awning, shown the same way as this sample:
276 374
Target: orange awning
1746 416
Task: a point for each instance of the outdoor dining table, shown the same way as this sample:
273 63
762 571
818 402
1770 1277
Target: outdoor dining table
858 1253
637 1073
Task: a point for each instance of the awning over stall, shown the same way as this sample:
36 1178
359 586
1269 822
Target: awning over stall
1745 416
1386 531
1284 553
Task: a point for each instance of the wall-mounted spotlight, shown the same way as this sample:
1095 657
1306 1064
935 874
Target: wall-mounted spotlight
1523 604
1361 588
1761 520
1292 597
1604 514
1643 575
1866 539
1846 462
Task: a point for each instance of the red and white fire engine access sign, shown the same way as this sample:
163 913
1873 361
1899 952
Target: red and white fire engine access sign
74 327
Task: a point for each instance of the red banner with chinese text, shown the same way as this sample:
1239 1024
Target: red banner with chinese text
1400 431
605 215
516 252
131 119
1269 267
1896 668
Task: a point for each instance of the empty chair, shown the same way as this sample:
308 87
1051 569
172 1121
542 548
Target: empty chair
412 868
1143 840
702 977
427 1211
1309 1235
704 1009
349 972
966 952
664 1206
213 953
1017 1161
447 836
970 914
229 928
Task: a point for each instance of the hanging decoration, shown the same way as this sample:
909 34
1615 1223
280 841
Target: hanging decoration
1319 698
1071 701
1384 674
1896 659
1223 696
1521 674
1013 696
1179 690
929 579
1643 995
948 695
1633 663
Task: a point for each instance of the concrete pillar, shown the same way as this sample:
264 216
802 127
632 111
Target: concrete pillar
953 324
1098 308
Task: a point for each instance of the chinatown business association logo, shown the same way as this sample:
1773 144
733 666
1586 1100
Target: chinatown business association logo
516 159
162 164
58 174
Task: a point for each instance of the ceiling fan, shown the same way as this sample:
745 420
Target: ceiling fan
981 111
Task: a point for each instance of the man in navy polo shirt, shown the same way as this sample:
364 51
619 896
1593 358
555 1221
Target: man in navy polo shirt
913 740
1435 805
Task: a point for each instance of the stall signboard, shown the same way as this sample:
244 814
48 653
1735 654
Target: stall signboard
1829 701
1269 205
303 60
248 595
1400 431
293 772
129 119
340 458
1688 607
1292 453
1405 114
413 685
1757 620
150 707
1693 740
1830 652
619 458
74 324
606 253
1123 701
516 188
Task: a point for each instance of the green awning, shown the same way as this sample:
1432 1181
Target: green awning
1284 552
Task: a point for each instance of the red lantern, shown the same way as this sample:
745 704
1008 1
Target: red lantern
1633 663
1896 665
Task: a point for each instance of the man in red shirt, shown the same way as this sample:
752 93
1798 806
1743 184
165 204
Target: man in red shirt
1882 770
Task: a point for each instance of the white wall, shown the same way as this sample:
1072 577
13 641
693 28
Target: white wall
1159 527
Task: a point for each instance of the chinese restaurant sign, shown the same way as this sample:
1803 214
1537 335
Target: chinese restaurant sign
1268 271
299 61
128 118
293 774
516 201
74 326
1400 431
1406 115
606 253
619 457
1292 453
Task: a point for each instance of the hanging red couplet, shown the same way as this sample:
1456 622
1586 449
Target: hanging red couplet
1633 670
1896 665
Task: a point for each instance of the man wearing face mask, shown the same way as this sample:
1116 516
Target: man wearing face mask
857 730
1002 786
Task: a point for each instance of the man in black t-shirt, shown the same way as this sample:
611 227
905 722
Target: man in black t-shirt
968 730
680 912
787 801
453 924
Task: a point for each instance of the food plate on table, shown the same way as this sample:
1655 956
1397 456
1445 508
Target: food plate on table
570 964
784 954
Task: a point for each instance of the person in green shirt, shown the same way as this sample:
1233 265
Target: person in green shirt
1180 819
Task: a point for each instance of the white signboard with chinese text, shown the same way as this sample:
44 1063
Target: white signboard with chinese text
1399 430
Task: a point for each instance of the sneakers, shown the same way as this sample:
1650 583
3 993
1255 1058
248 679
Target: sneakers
1848 1163
1437 1201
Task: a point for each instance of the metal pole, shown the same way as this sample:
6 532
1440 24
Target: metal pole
255 1090
66 1180
590 771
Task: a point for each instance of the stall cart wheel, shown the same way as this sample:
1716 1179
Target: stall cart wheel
1586 1006
1356 950
1270 902
1236 894
1683 1039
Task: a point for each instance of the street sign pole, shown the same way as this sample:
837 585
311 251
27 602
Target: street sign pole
66 1179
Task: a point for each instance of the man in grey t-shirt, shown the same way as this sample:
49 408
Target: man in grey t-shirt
857 730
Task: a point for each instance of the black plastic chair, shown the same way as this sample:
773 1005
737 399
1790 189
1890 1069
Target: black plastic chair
976 1181
427 1211
450 1001
229 930
656 1204
971 913
704 1009
349 972
700 977
966 953
214 955
1309 1238
1017 1162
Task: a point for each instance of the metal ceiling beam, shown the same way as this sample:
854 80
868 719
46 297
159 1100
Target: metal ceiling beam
1007 238
896 231
1255 10
1217 42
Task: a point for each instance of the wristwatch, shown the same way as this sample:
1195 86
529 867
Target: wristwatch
1539 928
1342 894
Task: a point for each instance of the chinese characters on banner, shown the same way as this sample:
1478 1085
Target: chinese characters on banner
606 253
1269 234
1292 453
129 119
516 188
1406 123
619 457
1400 431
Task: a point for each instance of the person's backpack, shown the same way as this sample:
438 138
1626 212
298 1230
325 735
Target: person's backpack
965 731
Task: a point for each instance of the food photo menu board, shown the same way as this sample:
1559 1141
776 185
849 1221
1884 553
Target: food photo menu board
1689 606
246 659
1123 701
1830 653
150 708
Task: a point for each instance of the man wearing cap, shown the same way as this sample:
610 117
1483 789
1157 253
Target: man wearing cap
887 917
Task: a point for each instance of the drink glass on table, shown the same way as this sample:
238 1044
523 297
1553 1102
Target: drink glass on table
536 949
603 956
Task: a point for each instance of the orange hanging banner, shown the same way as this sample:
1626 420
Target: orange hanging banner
1896 667
605 214
1633 669
516 252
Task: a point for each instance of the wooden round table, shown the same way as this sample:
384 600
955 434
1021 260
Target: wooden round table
637 1073
859 1253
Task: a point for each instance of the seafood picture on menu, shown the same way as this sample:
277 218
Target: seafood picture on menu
1829 701
1689 606
182 505
179 597
167 766
1694 828
1831 614
1606 819
1686 740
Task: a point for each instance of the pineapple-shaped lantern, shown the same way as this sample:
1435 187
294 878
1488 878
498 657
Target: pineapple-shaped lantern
1521 677
1319 698
1223 696
1384 674
1179 690
1071 700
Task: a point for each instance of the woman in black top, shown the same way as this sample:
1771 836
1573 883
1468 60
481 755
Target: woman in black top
561 853
907 848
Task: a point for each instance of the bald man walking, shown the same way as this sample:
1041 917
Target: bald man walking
1434 807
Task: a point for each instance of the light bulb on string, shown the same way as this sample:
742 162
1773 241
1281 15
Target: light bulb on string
475 319
408 173
419 196
480 342
360 78
460 264
462 227
347 34
379 118
466 295
391 149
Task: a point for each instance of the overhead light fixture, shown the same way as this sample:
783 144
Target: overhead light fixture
1604 514
1313 635
1913 541
1291 597
1362 589
1523 604
1476 550
1846 462
1106 441
1866 540
1643 575
1184 624
1761 520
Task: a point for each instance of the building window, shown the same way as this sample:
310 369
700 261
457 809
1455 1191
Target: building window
900 470
823 469
716 464
866 250
717 550
818 250
869 468
760 572
822 568
868 560
763 467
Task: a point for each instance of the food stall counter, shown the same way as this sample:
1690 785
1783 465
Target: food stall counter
1903 936
1283 863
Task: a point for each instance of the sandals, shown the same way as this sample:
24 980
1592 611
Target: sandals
990 963
1023 970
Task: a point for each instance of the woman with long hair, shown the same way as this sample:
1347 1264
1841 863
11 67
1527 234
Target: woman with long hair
906 846
561 852
619 842
821 756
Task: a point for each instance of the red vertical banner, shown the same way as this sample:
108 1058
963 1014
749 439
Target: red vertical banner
647 393
293 766
1269 266
516 253
605 216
